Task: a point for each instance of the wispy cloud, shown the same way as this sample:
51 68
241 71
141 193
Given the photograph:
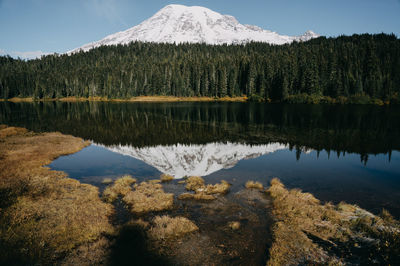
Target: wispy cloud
105 8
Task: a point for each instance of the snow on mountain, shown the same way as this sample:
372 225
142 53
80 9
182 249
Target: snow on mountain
194 24
195 160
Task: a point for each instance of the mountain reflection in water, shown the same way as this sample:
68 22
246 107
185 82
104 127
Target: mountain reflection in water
182 160
337 152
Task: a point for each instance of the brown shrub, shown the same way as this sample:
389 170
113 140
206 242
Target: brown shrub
166 178
165 227
148 197
252 184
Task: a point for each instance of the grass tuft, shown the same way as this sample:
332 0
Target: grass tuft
195 196
234 225
165 227
148 197
166 178
252 184
194 182
120 187
202 191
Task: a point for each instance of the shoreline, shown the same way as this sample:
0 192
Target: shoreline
133 99
293 100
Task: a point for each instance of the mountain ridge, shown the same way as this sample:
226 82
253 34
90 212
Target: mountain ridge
194 24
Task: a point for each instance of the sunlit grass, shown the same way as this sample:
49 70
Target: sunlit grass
120 187
202 191
165 227
252 184
301 217
148 197
44 214
166 178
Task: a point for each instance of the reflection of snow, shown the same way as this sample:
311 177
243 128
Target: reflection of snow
187 160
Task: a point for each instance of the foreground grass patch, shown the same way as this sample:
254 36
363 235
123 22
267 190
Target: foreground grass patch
308 232
44 215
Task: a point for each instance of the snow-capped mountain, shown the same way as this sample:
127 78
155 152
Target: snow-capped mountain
194 24
195 160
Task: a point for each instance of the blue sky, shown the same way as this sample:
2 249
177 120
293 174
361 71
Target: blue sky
31 27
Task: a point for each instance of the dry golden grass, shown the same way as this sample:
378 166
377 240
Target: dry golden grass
73 99
148 197
234 225
252 184
136 99
166 178
165 227
195 196
185 99
221 188
11 131
17 100
139 223
121 187
300 214
44 214
202 191
194 182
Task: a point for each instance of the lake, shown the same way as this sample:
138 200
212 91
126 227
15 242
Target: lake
338 153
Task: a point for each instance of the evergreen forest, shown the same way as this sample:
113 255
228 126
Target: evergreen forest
346 69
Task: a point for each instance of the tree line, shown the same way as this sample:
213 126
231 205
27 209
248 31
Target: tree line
359 68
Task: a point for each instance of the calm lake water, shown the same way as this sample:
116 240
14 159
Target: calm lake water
338 153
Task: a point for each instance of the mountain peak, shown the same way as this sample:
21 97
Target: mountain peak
195 24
